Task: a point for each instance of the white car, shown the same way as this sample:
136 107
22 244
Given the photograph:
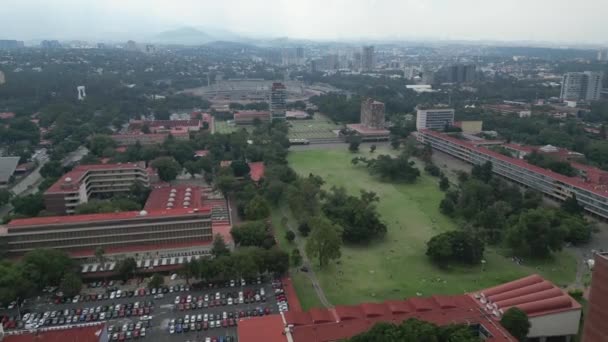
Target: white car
230 301
232 282
113 295
217 296
207 339
243 282
189 299
224 315
262 292
206 318
177 300
142 332
187 319
206 297
172 329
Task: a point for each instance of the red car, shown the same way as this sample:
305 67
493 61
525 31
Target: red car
231 322
224 323
205 325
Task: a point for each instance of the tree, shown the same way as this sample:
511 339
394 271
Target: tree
304 228
394 169
354 141
276 261
447 207
156 281
577 228
516 322
189 270
71 284
100 255
290 236
226 183
46 267
395 142
29 205
372 149
98 144
444 183
5 196
258 208
193 167
145 128
13 283
571 206
456 245
324 241
219 246
414 330
250 233
296 257
167 168
535 234
239 168
482 172
126 268
52 169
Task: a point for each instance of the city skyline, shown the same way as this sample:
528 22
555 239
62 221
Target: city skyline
316 20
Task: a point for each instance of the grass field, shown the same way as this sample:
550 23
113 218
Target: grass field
223 127
319 127
397 266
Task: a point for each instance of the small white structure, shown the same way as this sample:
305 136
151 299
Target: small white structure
81 92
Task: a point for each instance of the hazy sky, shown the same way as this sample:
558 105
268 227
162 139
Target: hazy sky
581 21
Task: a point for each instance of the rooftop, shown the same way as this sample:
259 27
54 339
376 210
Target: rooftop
325 325
71 180
173 197
7 168
256 171
364 130
77 334
50 221
533 295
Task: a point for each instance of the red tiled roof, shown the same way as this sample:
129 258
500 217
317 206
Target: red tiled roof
533 295
256 171
125 215
267 329
79 171
201 153
77 334
160 198
325 325
598 189
7 115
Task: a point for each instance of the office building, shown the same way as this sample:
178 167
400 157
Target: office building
602 55
434 117
581 86
2 78
6 44
368 59
278 101
553 315
131 45
461 73
175 219
591 188
596 327
86 181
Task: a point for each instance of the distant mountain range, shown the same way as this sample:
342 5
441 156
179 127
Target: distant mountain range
183 36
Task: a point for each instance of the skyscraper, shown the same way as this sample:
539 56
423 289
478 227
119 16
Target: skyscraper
368 60
461 73
581 86
602 55
278 101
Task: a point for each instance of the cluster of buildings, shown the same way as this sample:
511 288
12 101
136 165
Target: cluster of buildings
553 314
158 130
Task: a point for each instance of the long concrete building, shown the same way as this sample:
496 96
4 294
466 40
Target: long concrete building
77 186
591 193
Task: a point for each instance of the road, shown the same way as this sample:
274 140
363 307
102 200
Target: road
306 263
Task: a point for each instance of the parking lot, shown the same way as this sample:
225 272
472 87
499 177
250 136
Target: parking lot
164 314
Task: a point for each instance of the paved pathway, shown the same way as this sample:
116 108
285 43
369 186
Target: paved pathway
311 273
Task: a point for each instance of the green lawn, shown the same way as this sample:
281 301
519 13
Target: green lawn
318 128
397 266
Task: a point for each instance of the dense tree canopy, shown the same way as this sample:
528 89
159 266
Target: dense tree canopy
458 246
516 322
414 330
324 240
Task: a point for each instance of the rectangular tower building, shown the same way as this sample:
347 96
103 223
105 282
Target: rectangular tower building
434 117
372 114
278 101
581 86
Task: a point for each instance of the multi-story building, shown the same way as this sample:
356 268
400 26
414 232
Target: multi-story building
602 55
2 78
368 60
372 113
146 139
581 86
591 191
434 117
50 44
77 186
596 328
248 117
6 44
461 73
278 101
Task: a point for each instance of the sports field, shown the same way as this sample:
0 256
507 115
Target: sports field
397 266
320 127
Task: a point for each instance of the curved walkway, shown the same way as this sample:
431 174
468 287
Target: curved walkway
306 263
